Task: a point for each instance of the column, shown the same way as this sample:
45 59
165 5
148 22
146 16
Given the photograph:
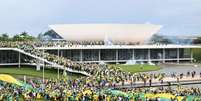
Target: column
38 65
19 60
99 55
133 57
149 57
177 55
163 57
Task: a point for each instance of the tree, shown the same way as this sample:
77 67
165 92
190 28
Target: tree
16 38
197 40
160 39
4 37
24 36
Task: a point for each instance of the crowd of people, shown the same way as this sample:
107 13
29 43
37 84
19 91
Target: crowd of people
92 88
30 47
82 90
64 43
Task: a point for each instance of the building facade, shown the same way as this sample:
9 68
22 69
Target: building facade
107 54
123 54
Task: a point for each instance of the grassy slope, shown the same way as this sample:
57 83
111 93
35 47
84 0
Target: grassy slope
137 68
31 71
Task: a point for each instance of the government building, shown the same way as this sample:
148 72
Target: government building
123 43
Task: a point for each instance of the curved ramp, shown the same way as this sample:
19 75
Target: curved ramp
52 63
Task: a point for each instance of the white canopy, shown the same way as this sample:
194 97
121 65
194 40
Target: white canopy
115 32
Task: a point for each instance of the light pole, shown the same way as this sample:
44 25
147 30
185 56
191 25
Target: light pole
58 66
19 60
43 67
58 72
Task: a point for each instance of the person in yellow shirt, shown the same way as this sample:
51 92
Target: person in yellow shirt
95 97
108 97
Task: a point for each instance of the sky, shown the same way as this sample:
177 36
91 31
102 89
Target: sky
178 17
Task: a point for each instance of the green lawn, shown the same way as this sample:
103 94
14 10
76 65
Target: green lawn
197 55
52 73
31 72
137 68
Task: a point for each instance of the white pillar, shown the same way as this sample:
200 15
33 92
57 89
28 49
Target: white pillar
19 60
37 65
149 57
163 57
133 57
81 56
177 55
99 55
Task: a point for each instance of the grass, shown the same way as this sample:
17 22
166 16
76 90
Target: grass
197 55
31 72
137 68
52 73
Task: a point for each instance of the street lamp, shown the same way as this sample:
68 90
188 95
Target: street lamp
45 40
43 67
58 66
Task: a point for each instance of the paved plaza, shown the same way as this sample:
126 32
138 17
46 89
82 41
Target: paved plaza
178 68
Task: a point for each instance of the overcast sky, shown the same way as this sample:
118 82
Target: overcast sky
176 16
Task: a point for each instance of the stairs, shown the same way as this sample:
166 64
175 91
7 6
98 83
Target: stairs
50 62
